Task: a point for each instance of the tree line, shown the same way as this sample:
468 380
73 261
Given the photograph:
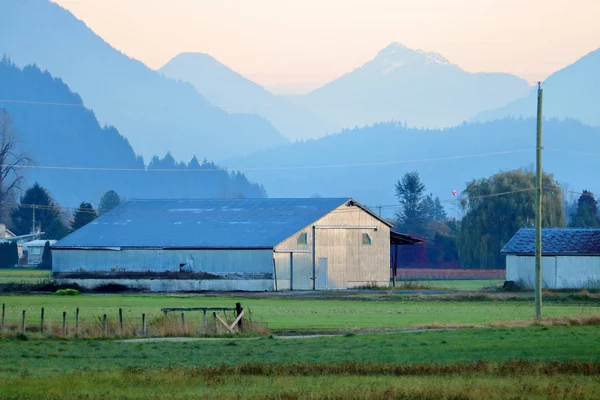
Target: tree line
493 209
37 210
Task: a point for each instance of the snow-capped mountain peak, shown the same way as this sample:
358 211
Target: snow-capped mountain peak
397 55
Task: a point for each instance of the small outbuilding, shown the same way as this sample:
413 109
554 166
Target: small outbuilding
229 244
570 258
32 252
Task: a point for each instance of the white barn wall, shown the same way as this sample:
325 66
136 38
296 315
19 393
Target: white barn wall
350 263
159 260
239 269
522 268
578 272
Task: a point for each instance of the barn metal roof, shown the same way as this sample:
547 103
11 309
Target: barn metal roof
201 223
556 241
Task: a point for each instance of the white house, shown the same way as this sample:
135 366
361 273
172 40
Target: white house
229 244
570 258
33 251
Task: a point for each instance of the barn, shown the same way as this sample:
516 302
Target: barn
570 258
229 244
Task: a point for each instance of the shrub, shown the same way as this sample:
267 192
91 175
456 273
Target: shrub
67 292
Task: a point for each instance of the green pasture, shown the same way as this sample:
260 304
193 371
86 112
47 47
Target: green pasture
378 311
177 383
355 366
23 275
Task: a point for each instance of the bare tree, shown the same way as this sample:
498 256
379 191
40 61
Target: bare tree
10 162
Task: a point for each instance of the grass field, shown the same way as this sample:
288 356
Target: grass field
362 312
23 275
462 285
535 362
400 365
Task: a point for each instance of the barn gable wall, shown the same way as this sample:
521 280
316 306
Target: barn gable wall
349 262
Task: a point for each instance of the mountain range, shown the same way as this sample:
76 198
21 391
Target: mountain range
71 151
366 162
401 84
196 105
229 90
153 112
571 92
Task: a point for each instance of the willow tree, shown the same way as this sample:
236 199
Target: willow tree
495 208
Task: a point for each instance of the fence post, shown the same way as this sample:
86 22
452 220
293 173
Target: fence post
23 322
3 313
165 314
143 324
77 321
104 326
64 323
42 321
204 322
215 321
183 322
121 321
238 311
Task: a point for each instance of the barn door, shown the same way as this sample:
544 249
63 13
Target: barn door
322 274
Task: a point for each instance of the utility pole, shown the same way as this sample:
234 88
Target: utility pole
33 221
538 209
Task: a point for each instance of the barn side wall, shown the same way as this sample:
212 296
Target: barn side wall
574 272
560 272
522 269
159 270
349 262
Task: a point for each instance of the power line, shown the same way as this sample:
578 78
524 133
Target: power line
280 168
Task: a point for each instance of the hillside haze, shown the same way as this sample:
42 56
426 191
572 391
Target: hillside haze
233 92
424 89
78 150
571 92
367 162
153 112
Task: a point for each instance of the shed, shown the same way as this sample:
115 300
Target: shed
570 258
33 251
229 244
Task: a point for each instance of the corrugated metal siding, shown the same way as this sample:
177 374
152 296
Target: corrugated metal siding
577 272
522 268
152 260
349 262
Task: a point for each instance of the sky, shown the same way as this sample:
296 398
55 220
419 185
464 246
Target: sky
293 46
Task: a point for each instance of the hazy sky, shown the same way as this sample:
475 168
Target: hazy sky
295 45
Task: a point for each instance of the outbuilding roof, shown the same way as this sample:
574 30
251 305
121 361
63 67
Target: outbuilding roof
556 241
201 223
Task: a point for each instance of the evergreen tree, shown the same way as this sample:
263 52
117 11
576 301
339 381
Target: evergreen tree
586 213
496 208
108 201
433 208
9 256
83 216
47 214
409 191
46 257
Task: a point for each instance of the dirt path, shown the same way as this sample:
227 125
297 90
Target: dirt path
282 337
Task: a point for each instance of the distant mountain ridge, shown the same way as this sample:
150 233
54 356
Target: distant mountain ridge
402 84
366 162
572 92
72 152
232 92
153 112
